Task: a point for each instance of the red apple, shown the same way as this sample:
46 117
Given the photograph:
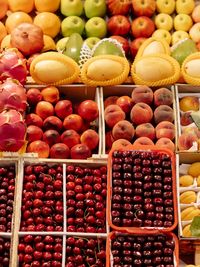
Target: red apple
51 137
88 110
123 41
118 25
142 27
63 108
80 151
59 151
144 7
118 7
135 45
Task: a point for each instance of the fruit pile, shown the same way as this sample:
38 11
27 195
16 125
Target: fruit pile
189 122
7 191
40 251
4 252
145 117
85 251
143 250
189 182
142 189
86 199
42 199
58 128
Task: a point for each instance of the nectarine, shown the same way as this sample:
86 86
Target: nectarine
141 113
88 110
70 138
123 130
109 139
80 151
74 122
33 133
113 114
39 147
142 93
59 151
125 103
44 109
63 108
90 138
51 94
51 137
186 118
34 119
52 122
111 100
34 96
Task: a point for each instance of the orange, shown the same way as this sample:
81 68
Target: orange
6 42
15 19
49 43
3 8
21 5
48 22
47 5
3 31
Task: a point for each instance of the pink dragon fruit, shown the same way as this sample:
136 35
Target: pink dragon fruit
12 130
12 65
12 96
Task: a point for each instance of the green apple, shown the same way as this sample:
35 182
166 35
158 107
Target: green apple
60 45
71 7
95 8
72 24
165 6
164 21
96 27
182 22
162 34
185 6
91 41
179 35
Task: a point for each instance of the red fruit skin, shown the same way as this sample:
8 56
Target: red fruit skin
118 25
51 137
88 110
144 7
123 41
117 7
63 108
142 27
80 151
59 151
34 119
135 45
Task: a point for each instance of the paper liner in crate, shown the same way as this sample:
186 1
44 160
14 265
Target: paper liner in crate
145 234
146 152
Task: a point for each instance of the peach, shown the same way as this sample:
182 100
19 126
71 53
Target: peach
70 138
163 96
123 130
120 142
33 133
44 109
34 119
113 114
39 147
59 151
50 94
192 129
186 119
144 141
80 151
88 110
165 129
63 108
51 137
143 94
163 113
145 130
141 113
165 143
185 140
109 139
188 103
125 103
90 138
52 122
111 100
33 96
74 122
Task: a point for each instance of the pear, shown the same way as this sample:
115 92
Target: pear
95 8
108 46
71 7
182 49
73 46
60 45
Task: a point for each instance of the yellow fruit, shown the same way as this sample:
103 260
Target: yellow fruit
155 70
53 68
189 213
191 69
186 180
3 8
6 42
48 22
105 70
188 197
186 231
21 5
194 169
198 181
15 19
47 5
3 31
49 43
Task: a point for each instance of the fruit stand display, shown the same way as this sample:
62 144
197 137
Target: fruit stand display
99 133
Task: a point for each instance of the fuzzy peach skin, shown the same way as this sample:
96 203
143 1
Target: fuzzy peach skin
163 96
145 130
165 129
141 113
143 94
165 143
143 141
123 129
113 114
163 113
